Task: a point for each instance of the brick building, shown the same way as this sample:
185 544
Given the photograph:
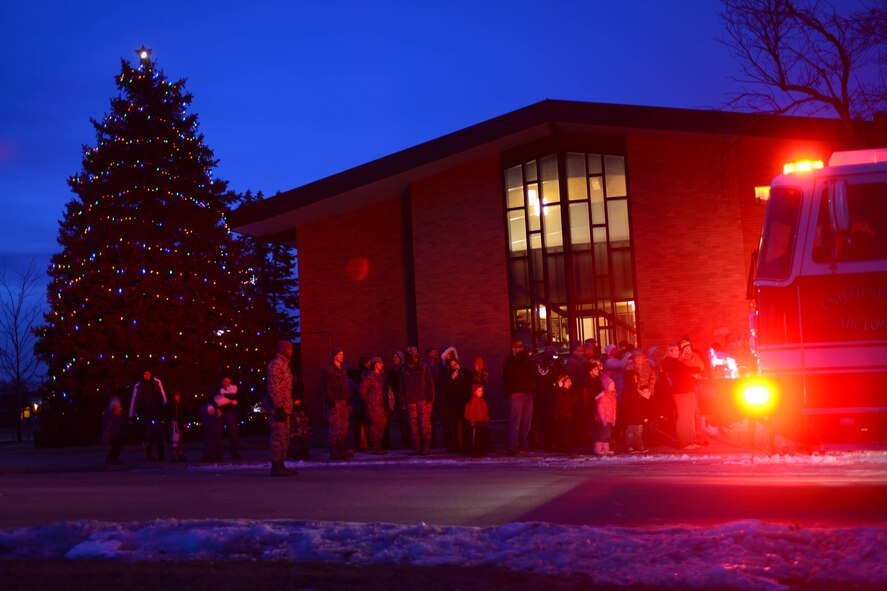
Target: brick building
556 222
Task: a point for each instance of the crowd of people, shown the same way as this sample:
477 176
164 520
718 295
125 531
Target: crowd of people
160 420
618 398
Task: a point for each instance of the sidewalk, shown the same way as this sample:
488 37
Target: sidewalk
25 458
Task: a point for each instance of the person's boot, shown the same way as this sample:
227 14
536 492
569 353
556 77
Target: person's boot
280 469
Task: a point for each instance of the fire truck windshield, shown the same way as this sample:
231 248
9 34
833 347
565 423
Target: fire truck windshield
780 233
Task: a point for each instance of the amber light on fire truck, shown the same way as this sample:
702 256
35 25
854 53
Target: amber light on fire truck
757 397
801 166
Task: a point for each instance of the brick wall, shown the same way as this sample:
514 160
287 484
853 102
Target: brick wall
695 226
461 277
352 296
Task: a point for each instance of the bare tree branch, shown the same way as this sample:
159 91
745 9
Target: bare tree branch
19 314
803 57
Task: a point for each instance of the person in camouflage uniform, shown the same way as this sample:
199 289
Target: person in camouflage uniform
374 392
417 395
280 395
300 430
338 396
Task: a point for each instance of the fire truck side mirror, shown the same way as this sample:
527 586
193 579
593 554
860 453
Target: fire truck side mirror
837 204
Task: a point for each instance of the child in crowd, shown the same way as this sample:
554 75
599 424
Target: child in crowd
640 380
605 417
478 416
481 372
176 435
300 431
113 423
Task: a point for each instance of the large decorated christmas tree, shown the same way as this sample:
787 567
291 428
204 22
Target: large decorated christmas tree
149 276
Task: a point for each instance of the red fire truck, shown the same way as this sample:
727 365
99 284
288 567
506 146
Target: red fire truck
820 289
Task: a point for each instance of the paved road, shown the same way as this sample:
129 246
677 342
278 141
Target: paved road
659 492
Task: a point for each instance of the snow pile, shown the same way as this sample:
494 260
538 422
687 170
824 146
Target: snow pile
741 555
875 459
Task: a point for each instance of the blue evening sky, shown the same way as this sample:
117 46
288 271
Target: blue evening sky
291 91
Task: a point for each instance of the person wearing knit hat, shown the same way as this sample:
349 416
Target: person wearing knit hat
684 368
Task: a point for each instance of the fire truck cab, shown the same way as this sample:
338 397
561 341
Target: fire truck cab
820 290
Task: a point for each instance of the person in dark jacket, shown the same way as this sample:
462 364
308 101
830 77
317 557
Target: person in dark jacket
148 407
176 433
640 381
393 378
417 397
213 427
112 422
230 416
565 405
519 374
337 394
548 369
455 393
683 376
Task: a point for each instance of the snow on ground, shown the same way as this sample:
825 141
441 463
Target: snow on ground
741 555
872 459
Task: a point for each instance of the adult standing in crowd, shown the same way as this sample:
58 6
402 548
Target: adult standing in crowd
403 422
432 358
374 394
519 374
548 369
148 405
230 416
280 395
454 394
640 381
577 366
691 358
417 392
683 390
337 394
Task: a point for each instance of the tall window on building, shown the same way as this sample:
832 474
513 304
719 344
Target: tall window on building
571 273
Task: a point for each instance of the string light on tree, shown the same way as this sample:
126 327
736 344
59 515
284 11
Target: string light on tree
150 275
